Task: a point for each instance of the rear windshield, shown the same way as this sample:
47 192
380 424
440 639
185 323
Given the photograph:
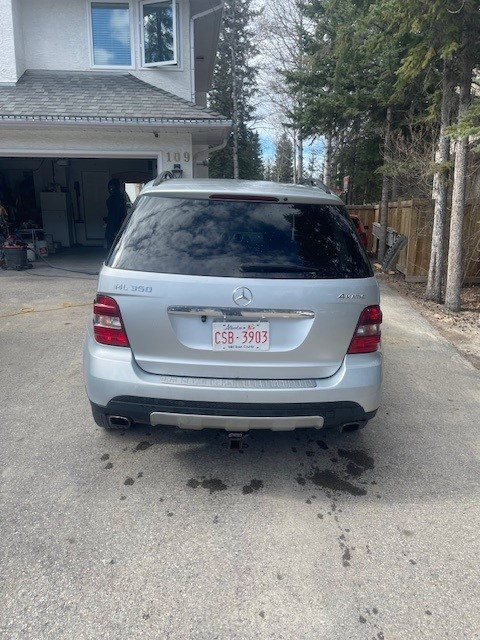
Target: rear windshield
236 238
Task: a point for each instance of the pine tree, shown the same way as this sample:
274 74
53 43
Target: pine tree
268 169
443 38
349 94
283 166
377 71
312 169
339 86
234 86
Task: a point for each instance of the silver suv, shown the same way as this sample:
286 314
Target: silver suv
236 305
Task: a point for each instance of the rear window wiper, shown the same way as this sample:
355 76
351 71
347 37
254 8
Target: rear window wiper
276 268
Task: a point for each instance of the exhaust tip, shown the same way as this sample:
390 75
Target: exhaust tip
119 422
349 427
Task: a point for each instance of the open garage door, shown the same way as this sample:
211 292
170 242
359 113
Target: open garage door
66 196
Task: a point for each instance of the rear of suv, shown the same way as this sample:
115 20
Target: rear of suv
236 305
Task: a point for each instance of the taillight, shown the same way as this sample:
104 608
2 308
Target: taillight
107 322
367 334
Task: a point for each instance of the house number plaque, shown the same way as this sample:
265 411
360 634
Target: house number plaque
177 156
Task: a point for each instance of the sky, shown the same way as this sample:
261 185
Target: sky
268 138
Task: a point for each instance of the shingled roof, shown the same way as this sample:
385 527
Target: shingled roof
96 97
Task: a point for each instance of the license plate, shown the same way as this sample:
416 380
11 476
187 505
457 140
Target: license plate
240 336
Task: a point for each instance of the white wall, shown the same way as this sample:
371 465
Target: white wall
56 37
62 141
200 167
8 53
55 34
19 42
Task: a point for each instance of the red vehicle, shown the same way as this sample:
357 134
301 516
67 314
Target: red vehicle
360 229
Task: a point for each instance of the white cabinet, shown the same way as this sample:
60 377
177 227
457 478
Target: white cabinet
57 216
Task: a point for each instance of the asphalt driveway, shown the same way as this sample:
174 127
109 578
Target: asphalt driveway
158 533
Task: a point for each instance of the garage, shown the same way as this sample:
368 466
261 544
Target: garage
66 197
65 135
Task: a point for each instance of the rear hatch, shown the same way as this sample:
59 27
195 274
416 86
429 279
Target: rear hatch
221 288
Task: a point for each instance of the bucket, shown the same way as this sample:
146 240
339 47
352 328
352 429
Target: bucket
42 248
15 257
31 253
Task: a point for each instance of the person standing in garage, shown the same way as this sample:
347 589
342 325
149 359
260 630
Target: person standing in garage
116 210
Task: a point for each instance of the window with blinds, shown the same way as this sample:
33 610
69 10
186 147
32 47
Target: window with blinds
111 37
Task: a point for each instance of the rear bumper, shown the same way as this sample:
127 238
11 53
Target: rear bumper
236 417
117 386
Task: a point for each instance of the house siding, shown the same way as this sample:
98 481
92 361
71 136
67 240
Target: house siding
8 57
56 37
19 41
93 142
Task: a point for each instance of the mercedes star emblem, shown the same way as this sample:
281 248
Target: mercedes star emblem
242 296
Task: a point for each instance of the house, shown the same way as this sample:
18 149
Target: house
94 90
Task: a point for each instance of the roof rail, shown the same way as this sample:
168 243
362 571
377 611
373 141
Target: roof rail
313 182
165 175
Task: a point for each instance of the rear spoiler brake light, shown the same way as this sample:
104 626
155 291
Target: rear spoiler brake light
242 198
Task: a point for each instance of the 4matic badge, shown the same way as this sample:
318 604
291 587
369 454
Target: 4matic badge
351 296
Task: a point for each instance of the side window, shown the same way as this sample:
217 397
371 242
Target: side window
110 34
159 33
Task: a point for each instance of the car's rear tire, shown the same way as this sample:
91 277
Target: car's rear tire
102 420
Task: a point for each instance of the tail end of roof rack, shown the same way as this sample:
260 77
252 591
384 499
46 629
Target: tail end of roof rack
177 172
313 182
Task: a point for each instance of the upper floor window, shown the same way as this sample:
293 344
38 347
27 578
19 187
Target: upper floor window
111 36
159 33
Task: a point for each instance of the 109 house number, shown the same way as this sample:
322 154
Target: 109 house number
177 156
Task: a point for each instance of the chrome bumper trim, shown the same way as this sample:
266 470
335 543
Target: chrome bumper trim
234 423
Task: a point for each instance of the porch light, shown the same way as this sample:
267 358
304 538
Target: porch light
177 171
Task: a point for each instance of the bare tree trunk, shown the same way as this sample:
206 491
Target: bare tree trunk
394 189
233 49
382 242
339 160
353 175
295 157
299 157
440 193
455 266
299 150
327 161
235 113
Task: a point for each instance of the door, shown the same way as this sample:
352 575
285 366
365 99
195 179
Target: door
95 194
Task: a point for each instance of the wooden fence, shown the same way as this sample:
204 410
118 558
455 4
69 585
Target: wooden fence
414 218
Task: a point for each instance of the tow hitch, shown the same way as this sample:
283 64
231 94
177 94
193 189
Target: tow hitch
236 441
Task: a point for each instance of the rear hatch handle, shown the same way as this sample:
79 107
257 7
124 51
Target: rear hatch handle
215 312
